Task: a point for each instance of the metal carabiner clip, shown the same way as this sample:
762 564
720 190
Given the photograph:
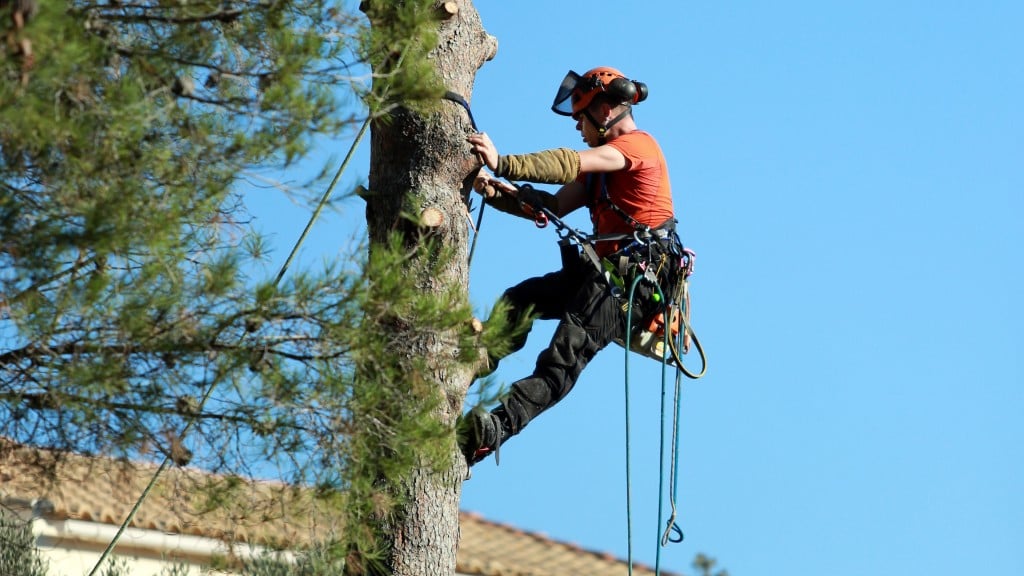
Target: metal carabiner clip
642 241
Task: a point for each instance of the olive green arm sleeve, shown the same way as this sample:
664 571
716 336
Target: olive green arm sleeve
556 166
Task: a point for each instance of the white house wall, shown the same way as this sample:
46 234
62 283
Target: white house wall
72 548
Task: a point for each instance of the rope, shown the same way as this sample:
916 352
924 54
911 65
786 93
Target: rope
142 497
672 532
476 233
682 296
324 199
677 357
629 494
458 99
209 391
661 438
670 526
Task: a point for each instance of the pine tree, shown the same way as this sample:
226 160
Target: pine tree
420 162
133 318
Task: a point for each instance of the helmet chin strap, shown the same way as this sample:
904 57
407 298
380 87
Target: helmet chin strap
602 130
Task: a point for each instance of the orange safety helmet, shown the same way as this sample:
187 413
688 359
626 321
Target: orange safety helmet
577 92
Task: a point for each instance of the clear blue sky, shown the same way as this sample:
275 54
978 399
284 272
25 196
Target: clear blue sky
851 176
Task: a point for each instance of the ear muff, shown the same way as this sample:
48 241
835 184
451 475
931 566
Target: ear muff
628 90
641 91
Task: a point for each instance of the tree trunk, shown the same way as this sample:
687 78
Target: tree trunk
421 164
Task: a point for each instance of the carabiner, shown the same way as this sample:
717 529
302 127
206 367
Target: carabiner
645 241
689 259
540 219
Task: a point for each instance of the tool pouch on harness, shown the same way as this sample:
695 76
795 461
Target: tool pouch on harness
661 294
648 337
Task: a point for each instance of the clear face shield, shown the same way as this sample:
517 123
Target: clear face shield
568 93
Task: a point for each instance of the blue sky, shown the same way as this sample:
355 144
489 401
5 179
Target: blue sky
851 177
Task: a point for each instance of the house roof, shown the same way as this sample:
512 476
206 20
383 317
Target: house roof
64 486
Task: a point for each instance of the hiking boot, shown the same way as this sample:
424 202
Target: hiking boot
480 434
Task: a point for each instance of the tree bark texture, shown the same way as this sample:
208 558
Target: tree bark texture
421 163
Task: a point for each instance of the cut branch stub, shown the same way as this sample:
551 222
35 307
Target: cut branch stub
431 218
448 9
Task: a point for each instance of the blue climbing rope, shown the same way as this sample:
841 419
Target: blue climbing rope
672 533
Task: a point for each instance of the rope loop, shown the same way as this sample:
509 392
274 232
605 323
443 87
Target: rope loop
673 534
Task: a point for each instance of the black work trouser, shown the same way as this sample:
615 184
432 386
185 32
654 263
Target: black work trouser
589 318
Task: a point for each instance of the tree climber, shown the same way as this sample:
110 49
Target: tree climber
623 180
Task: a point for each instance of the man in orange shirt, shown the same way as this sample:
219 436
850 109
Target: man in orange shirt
622 179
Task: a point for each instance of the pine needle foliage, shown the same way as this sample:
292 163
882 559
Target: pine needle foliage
18 553
397 47
134 320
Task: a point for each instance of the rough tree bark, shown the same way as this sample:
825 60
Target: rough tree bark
421 164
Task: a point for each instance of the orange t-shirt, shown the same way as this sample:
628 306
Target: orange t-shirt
642 189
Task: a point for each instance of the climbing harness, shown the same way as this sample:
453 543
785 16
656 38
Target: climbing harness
649 341
628 264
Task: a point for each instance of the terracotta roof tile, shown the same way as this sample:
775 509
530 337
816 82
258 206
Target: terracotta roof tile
103 490
100 489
